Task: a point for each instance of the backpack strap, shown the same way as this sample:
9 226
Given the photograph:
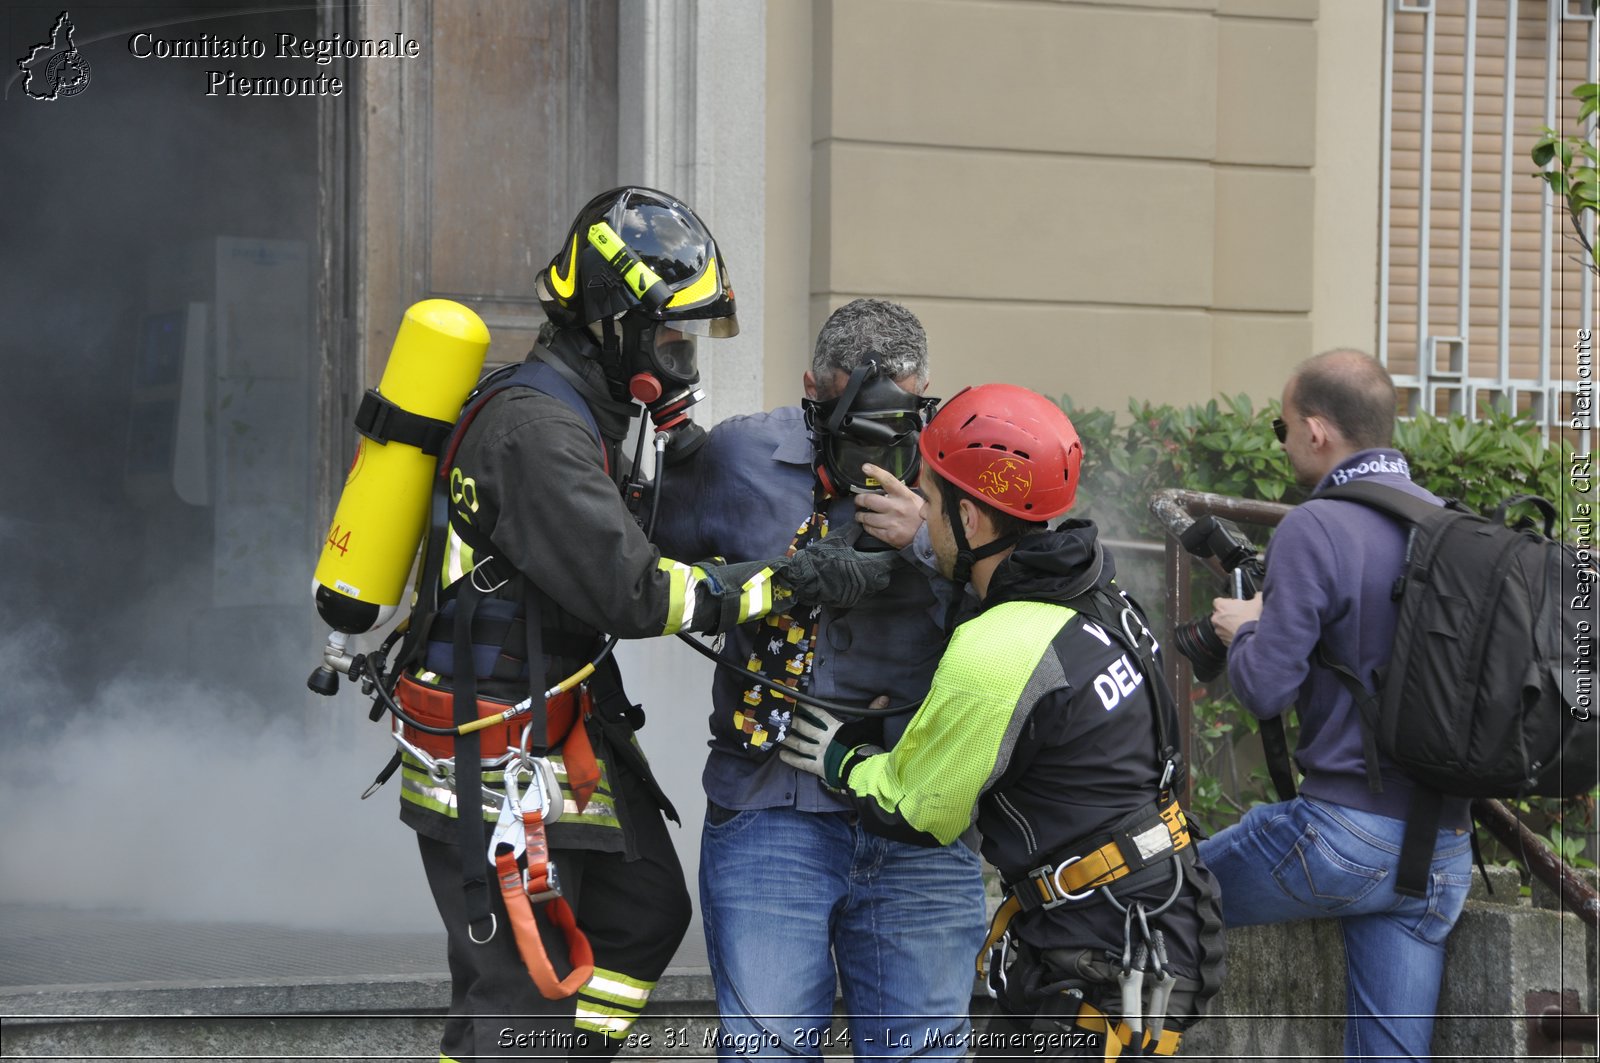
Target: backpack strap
541 376
1275 749
1409 510
1416 846
1400 505
1274 742
481 922
1367 704
1538 502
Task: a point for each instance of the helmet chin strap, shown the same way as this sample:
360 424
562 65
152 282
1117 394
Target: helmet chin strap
966 555
612 361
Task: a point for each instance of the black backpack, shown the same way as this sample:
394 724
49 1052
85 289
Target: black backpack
1488 691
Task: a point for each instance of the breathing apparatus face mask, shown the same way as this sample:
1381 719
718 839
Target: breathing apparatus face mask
653 364
872 421
646 319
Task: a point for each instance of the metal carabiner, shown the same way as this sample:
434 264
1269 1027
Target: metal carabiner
544 789
1128 613
494 927
478 567
1065 895
509 832
1177 887
508 828
995 974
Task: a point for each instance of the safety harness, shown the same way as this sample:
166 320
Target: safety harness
463 632
1144 849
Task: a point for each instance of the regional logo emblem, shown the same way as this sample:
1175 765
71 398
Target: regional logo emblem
55 69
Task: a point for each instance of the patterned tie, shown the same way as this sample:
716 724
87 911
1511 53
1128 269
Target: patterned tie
782 651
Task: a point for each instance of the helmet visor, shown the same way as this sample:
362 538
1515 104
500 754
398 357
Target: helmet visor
713 327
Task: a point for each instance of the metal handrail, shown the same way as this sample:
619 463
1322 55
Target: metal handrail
1176 509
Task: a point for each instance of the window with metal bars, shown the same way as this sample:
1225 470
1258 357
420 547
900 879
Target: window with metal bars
1481 287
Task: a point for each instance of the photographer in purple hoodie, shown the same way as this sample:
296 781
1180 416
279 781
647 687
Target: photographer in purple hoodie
1332 851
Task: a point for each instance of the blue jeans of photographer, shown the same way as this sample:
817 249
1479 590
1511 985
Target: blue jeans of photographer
788 897
1310 859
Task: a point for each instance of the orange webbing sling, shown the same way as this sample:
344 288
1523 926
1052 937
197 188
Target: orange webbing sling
523 831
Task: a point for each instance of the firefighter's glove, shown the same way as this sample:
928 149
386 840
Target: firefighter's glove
828 572
826 746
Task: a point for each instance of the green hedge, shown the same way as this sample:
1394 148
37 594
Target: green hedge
1227 447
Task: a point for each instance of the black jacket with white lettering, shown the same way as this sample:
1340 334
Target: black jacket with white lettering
1084 755
1074 744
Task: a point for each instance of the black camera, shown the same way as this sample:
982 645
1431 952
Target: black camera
1212 536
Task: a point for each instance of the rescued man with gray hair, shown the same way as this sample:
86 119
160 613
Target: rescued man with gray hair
795 893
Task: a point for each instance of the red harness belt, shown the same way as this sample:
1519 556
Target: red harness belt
520 831
563 729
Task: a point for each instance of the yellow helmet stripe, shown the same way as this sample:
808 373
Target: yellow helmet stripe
707 286
565 286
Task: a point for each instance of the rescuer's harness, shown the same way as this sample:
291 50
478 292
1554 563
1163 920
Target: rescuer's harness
1146 849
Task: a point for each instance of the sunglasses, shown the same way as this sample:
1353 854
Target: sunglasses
1280 429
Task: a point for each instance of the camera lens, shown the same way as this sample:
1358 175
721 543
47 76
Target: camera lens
1198 641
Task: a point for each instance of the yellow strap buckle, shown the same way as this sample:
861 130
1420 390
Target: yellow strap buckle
1075 875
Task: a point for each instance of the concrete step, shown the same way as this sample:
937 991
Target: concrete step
1284 1000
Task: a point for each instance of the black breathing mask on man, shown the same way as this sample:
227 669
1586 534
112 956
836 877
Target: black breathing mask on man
872 421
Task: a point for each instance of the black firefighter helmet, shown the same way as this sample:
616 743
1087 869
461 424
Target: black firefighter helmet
636 259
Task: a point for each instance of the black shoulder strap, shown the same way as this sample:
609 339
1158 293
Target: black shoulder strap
1108 609
1422 818
1409 510
1417 844
1367 706
469 772
1384 498
1275 751
535 374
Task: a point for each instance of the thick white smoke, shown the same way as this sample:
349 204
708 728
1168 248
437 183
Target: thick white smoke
165 797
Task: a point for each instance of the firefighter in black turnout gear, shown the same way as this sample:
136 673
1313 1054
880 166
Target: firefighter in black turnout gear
1050 727
559 888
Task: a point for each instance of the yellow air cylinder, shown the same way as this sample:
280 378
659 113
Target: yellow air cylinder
377 527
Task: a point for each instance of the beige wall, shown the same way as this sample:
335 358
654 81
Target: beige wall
786 328
1348 174
1100 200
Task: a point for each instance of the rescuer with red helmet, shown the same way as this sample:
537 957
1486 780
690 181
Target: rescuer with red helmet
1049 725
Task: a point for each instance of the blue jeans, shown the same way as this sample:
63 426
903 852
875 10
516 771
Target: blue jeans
1309 859
787 895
